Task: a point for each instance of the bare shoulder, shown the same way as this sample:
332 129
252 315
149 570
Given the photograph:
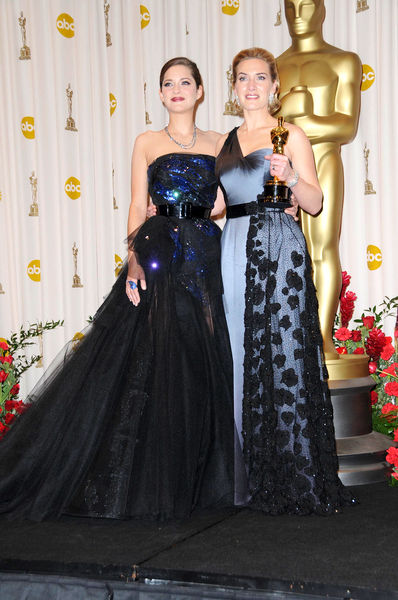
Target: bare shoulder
220 142
296 135
294 130
214 136
145 141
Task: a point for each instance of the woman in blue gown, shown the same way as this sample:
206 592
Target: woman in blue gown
137 421
282 404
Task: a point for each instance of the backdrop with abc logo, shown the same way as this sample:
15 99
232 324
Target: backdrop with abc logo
79 81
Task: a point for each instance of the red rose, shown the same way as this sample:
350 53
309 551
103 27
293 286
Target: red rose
390 370
375 343
9 404
20 407
9 418
372 367
387 352
345 282
4 345
388 339
368 322
388 407
3 376
14 391
3 429
342 350
391 388
373 397
356 335
392 456
7 359
359 350
343 334
395 435
395 475
347 304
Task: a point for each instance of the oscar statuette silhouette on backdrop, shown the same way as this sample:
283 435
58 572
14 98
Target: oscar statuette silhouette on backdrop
320 92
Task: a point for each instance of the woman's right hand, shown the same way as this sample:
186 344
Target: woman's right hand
132 289
151 210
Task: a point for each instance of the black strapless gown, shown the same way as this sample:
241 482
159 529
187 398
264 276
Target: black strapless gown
137 421
280 381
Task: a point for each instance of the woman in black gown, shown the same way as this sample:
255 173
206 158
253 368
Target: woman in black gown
138 420
280 381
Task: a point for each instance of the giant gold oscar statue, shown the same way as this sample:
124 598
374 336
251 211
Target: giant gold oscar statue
320 92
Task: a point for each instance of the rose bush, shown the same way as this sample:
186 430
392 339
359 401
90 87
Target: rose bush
368 337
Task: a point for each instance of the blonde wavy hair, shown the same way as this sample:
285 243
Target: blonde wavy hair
267 57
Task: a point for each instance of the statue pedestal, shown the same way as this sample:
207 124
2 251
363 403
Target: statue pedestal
360 451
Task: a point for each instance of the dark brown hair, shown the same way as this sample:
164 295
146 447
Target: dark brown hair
182 60
268 58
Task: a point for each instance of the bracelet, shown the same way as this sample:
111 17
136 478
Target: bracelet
293 181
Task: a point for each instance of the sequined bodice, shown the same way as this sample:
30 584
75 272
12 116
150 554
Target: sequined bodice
183 177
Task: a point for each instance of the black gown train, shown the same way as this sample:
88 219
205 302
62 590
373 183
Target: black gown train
137 421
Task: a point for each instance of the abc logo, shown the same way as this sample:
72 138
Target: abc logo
66 25
72 188
374 257
145 16
368 77
28 127
33 270
230 7
77 338
118 265
112 103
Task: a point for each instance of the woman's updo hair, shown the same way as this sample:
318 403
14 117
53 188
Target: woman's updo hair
181 60
267 57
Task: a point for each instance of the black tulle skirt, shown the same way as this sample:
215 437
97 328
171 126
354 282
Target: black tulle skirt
137 420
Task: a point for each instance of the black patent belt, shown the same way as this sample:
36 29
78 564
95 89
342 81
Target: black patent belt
184 210
251 208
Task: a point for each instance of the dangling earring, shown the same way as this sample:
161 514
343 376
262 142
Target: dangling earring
271 99
237 101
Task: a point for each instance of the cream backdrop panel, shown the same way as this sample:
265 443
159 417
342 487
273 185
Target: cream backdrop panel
97 63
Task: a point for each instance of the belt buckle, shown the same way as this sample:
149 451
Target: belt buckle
185 210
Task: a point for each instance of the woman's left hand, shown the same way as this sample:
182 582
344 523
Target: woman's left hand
280 166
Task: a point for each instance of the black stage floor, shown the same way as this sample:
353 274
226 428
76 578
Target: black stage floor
348 555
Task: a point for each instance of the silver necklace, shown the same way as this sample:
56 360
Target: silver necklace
183 146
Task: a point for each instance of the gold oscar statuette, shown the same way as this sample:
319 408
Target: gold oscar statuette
70 121
368 184
311 97
76 279
147 119
34 207
115 206
231 107
278 16
362 5
25 50
106 13
1 289
276 190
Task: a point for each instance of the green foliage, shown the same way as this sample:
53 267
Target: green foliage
21 340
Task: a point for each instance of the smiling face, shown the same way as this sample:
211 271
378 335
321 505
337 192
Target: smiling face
304 17
179 91
254 84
